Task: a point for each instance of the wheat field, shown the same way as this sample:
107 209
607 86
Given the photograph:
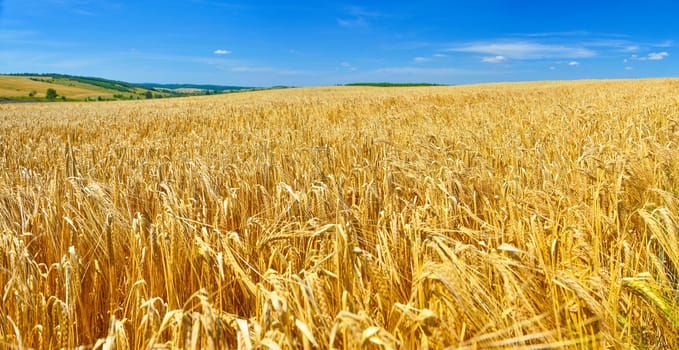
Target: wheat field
531 216
21 86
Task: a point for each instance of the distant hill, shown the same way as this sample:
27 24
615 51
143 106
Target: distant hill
194 87
72 88
34 87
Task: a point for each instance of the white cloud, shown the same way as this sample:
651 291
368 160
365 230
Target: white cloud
84 12
619 45
653 56
221 52
353 23
357 17
526 50
666 43
495 59
270 70
360 11
422 71
657 56
628 68
552 34
348 66
423 59
573 63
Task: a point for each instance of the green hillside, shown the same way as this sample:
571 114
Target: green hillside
34 87
73 88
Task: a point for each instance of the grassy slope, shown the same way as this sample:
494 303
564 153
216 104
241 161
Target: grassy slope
535 216
21 86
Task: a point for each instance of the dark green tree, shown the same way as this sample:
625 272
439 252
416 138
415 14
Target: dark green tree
148 94
51 94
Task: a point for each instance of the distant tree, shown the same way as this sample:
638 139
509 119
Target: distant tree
32 93
148 95
51 94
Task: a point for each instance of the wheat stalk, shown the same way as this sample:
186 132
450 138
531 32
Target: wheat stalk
503 215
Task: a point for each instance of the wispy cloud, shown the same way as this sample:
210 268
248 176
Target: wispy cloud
553 34
360 11
222 52
624 45
620 45
86 7
268 70
222 4
348 66
405 45
657 56
352 23
82 12
653 56
666 43
525 50
494 59
573 63
425 59
219 62
423 71
357 17
28 38
601 43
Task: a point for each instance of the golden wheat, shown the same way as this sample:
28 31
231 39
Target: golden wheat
533 216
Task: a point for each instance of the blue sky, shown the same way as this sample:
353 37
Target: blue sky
264 43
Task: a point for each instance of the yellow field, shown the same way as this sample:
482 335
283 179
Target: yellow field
21 86
535 216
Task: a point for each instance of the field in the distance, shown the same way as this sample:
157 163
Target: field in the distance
541 215
21 86
73 88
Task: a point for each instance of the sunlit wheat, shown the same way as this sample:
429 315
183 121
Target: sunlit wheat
533 216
